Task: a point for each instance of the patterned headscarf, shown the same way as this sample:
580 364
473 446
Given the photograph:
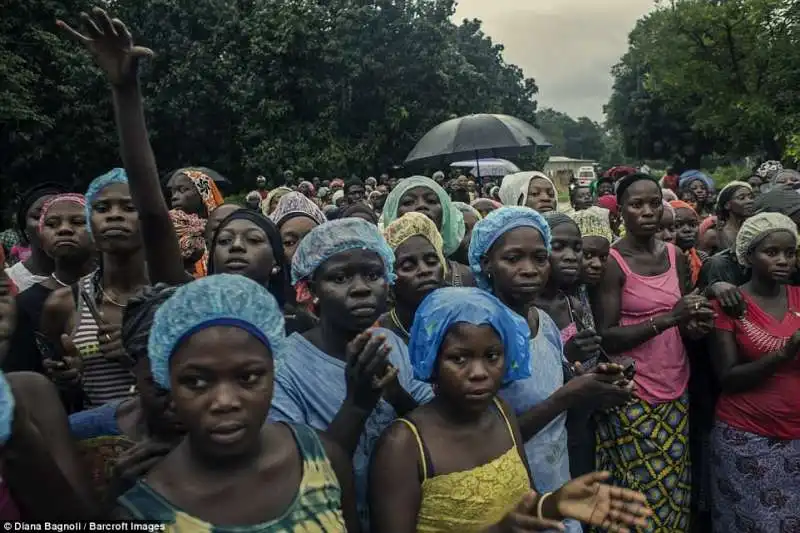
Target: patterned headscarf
220 300
73 198
495 225
594 222
294 204
412 224
97 185
335 237
266 202
448 306
7 404
452 229
206 187
690 176
756 228
514 188
768 169
190 230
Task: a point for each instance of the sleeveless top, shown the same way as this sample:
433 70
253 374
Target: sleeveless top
662 367
471 500
103 380
317 506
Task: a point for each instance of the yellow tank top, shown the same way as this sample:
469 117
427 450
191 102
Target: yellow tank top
471 500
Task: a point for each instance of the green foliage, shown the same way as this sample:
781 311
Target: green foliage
728 173
703 76
579 139
249 87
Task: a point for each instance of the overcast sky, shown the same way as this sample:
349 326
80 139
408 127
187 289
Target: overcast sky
567 46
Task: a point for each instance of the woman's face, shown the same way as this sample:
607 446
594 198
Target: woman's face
582 198
541 195
351 289
185 196
115 221
756 183
216 217
470 366
688 197
292 232
775 257
700 190
595 259
687 224
741 203
222 401
566 256
244 248
418 270
64 234
518 265
422 200
642 208
32 221
666 229
605 188
273 202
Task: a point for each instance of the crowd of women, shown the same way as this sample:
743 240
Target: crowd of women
400 355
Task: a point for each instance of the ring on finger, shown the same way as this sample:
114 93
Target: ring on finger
107 337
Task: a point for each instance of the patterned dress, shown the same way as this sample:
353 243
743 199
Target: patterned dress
317 507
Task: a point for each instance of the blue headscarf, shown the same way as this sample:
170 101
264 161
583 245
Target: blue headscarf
495 225
218 300
97 185
690 176
445 307
337 236
6 409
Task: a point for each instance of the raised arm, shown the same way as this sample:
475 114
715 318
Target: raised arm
112 48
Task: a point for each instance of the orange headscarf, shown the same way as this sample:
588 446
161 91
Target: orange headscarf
207 188
695 263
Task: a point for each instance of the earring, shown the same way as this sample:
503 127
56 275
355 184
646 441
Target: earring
275 270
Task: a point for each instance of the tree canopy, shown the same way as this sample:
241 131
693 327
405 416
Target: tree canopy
710 75
249 87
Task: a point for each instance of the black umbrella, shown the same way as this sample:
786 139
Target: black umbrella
476 137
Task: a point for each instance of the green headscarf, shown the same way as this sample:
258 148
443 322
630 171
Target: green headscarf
452 229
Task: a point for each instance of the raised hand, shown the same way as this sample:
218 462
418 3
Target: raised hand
590 501
111 45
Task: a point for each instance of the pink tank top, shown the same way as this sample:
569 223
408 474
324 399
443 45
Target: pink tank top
662 368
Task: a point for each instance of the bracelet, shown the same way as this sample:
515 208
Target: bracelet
540 505
653 325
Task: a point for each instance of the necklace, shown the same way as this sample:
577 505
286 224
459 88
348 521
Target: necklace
55 278
110 299
396 320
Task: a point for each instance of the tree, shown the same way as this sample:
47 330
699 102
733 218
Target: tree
709 75
250 87
580 139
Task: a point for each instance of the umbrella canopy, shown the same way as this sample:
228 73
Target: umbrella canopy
476 137
488 167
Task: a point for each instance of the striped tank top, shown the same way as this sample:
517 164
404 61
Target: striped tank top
103 380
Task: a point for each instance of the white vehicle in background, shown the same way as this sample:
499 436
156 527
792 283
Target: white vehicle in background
586 175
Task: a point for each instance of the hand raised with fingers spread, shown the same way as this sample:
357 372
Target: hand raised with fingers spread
111 44
366 360
591 501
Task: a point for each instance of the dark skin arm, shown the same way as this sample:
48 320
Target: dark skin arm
343 467
394 480
42 466
736 375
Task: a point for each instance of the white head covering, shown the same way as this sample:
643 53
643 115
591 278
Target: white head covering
514 188
756 228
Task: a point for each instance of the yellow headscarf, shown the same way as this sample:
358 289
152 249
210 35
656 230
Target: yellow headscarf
412 224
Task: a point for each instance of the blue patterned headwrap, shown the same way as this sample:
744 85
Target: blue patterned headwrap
448 306
495 225
690 176
97 185
6 409
336 237
218 300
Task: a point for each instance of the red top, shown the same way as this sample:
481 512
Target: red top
773 408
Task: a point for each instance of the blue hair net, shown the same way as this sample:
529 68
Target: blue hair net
218 300
335 237
6 409
448 306
111 177
498 222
